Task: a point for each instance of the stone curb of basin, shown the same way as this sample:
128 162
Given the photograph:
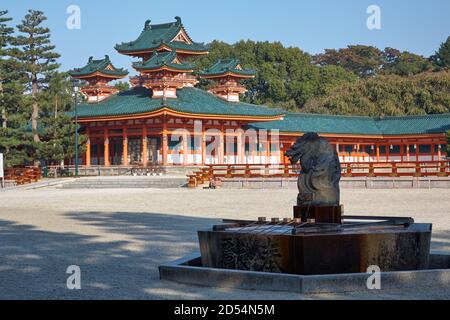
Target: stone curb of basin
188 270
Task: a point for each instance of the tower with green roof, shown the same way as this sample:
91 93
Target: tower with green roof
162 38
97 74
227 73
164 73
162 49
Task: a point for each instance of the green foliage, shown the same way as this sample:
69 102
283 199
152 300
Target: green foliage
15 142
362 60
387 95
28 65
442 56
367 61
122 86
390 82
284 76
58 129
37 59
58 139
404 63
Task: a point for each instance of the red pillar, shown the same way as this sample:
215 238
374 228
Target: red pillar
106 149
124 147
164 142
88 153
144 146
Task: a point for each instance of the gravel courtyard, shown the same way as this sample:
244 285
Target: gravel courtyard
118 237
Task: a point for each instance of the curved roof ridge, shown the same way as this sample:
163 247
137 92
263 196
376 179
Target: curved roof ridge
415 116
162 59
330 115
98 65
155 35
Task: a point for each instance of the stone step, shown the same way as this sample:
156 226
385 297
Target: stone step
125 182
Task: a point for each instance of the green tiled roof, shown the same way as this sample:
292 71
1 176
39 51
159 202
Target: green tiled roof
226 65
155 35
303 122
431 123
197 101
163 59
190 100
101 65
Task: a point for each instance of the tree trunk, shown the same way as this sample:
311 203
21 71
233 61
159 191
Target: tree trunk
35 113
4 119
56 106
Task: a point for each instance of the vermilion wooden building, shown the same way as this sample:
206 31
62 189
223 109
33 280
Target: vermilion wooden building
164 119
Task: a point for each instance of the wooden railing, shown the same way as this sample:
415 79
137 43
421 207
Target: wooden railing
23 175
353 169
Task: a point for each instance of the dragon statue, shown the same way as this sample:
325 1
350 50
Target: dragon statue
318 182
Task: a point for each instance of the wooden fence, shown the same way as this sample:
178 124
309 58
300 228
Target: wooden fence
353 169
23 175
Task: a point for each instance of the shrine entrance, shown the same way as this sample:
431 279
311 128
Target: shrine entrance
135 150
115 150
153 150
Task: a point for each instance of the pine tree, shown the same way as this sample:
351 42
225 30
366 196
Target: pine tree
58 129
5 40
37 60
15 142
442 56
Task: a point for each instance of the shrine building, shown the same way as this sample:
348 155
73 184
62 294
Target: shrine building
164 119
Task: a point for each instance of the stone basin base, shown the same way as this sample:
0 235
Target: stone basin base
189 270
316 248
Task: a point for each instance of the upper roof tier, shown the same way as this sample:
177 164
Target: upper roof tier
162 37
102 67
227 67
163 61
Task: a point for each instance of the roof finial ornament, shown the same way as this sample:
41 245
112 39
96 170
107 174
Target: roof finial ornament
107 57
90 59
147 25
178 19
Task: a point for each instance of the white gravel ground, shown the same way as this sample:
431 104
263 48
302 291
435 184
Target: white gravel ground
118 237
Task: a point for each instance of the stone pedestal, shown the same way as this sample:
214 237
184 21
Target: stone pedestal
319 214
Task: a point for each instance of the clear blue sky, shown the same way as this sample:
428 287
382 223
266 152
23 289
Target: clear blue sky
416 26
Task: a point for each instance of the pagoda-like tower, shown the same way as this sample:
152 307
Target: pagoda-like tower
97 74
162 49
164 73
226 74
164 37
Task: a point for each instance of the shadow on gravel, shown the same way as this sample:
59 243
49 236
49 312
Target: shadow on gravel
33 263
